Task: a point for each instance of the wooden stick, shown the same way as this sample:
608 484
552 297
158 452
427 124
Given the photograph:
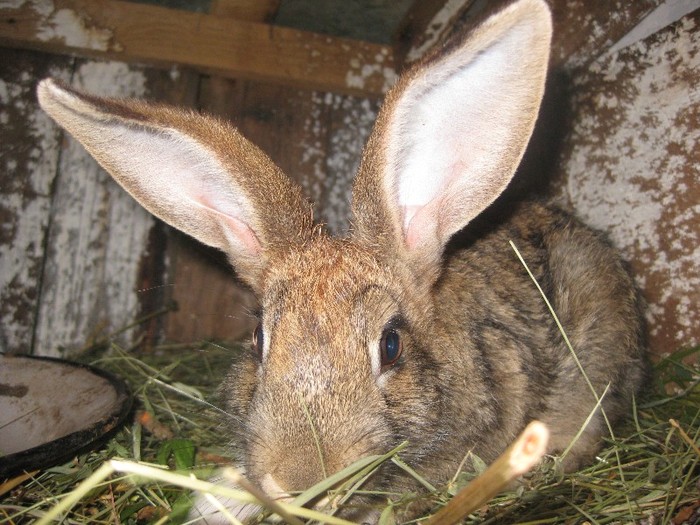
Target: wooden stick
520 457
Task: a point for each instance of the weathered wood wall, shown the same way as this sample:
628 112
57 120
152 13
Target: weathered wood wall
630 166
76 249
81 260
28 158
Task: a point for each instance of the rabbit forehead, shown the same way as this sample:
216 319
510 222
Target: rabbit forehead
329 299
323 279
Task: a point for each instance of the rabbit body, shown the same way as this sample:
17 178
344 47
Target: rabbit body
482 355
422 324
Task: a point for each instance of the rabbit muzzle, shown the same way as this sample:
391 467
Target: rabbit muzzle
312 423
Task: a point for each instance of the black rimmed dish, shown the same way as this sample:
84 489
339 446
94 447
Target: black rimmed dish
51 408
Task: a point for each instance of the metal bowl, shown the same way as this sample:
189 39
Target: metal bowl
51 408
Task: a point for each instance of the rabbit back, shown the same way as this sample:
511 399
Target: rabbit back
516 353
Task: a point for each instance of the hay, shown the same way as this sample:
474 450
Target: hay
655 480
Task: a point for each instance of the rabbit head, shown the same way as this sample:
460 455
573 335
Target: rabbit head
362 341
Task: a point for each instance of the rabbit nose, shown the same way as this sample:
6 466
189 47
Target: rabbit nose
276 492
273 489
288 475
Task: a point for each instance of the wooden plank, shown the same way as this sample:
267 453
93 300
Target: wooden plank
248 10
94 279
29 152
582 30
135 32
631 166
426 24
89 279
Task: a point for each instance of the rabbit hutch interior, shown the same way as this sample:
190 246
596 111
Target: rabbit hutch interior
87 274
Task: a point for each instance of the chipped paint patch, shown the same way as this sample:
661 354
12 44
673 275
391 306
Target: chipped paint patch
11 4
438 27
584 29
633 170
68 26
663 15
377 70
97 237
359 76
333 155
345 147
28 158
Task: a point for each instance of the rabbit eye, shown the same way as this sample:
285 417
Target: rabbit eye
258 340
390 347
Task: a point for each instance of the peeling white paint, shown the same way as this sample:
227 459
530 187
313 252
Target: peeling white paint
11 4
634 170
25 198
359 74
313 158
68 26
332 158
98 236
665 14
371 67
436 28
344 155
599 28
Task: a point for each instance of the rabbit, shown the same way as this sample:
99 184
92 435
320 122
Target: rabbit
420 324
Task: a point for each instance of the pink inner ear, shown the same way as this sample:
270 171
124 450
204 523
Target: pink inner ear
244 234
235 229
419 224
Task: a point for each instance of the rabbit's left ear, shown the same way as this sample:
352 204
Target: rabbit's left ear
194 172
452 133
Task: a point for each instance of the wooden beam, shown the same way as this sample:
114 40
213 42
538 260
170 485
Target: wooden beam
248 10
135 32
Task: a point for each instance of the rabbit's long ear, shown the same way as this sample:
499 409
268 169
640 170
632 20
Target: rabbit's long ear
194 172
451 134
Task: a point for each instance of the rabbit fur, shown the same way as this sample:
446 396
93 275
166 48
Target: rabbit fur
420 325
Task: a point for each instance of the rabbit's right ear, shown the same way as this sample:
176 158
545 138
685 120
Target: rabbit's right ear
450 136
194 172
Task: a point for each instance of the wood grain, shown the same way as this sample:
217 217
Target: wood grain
630 166
582 30
97 274
248 10
134 32
29 153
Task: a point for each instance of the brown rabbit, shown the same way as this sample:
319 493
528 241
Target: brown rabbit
403 330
